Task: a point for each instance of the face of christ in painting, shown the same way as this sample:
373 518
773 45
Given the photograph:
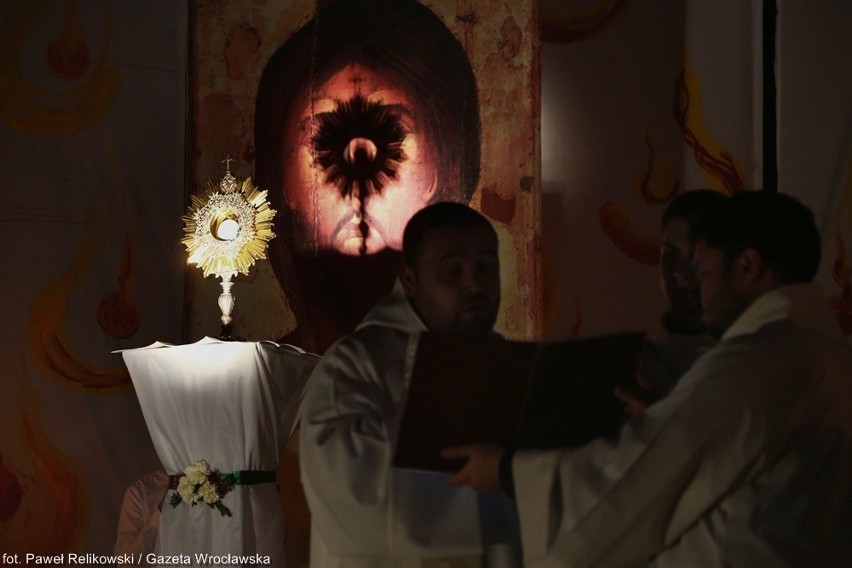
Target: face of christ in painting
357 163
365 115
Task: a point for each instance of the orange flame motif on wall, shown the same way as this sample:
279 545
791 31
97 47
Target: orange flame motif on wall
719 164
659 184
118 315
49 344
67 54
638 246
27 107
43 501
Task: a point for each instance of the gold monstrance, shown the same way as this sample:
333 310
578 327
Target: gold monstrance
227 229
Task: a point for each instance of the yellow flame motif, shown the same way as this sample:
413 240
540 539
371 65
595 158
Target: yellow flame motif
717 162
659 184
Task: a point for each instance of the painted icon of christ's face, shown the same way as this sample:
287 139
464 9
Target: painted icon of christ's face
357 162
366 114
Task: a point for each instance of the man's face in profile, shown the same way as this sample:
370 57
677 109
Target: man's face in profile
455 286
677 279
357 164
722 297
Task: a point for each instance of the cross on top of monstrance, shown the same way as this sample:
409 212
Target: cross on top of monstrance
226 229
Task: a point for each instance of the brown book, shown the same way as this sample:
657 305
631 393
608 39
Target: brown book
467 389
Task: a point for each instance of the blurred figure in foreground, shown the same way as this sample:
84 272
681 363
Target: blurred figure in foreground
681 336
748 461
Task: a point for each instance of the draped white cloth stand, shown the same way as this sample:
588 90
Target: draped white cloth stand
234 404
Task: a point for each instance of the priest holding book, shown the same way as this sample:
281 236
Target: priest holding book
365 513
748 462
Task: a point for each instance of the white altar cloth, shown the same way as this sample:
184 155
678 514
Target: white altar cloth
234 404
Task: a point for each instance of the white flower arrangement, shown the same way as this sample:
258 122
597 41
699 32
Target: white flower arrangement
201 484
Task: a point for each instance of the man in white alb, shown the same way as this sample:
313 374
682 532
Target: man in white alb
748 461
365 513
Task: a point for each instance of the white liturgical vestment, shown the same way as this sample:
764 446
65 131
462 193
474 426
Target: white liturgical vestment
748 462
364 513
667 355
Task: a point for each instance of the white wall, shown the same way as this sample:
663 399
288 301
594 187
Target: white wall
600 94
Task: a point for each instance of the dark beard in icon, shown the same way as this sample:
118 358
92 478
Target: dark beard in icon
338 290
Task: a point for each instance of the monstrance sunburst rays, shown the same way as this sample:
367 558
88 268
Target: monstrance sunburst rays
226 229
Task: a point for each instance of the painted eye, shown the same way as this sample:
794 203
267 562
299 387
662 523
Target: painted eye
487 266
359 146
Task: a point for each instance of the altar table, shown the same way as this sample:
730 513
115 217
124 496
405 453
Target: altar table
233 404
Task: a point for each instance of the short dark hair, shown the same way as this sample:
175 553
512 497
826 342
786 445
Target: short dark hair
438 216
779 227
691 205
